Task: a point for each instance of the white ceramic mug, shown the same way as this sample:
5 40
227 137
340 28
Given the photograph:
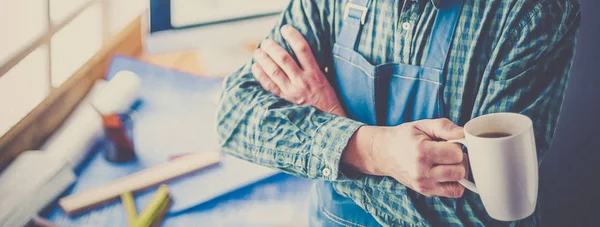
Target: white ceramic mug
505 168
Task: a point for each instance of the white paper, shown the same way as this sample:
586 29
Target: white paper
73 140
23 177
118 94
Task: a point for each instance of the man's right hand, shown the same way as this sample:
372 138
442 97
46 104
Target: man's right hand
413 153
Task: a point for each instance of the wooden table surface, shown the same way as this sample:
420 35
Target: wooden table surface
187 61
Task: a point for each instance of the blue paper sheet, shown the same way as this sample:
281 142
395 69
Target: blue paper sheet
176 115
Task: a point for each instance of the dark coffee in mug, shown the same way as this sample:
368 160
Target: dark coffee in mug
494 134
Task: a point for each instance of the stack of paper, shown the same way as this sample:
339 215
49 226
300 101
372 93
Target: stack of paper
29 184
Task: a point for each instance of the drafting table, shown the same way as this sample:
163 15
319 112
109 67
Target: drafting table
176 115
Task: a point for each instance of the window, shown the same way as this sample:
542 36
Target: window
122 12
60 10
27 22
75 44
23 88
46 41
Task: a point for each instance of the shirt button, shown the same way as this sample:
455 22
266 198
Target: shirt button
406 26
326 172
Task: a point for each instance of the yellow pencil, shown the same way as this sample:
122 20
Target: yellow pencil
148 214
160 214
129 205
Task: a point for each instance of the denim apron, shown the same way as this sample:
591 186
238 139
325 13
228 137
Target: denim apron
386 94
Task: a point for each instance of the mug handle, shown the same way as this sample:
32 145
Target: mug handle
464 182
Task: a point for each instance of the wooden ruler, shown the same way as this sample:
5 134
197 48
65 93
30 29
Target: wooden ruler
76 203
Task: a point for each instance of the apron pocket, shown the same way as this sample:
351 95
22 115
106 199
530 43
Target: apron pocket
354 75
413 96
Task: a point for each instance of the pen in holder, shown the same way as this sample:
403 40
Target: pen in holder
119 134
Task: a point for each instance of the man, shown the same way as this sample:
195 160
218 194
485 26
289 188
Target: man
371 90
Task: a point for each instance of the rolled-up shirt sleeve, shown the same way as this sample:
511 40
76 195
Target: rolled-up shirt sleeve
255 125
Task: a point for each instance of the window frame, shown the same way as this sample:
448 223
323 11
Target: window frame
46 37
43 39
32 130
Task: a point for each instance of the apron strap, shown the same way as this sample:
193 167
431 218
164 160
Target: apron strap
355 15
443 31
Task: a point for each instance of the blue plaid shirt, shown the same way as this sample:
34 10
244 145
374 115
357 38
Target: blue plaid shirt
506 56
